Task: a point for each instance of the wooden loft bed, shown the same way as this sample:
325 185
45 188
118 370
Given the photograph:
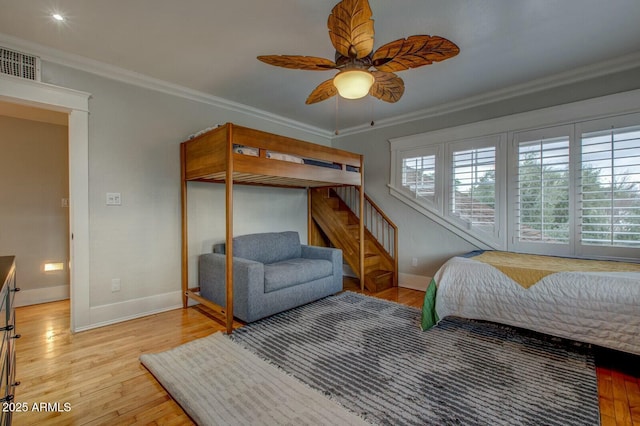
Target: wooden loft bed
231 154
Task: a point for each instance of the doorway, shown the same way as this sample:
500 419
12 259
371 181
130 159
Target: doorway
34 216
76 105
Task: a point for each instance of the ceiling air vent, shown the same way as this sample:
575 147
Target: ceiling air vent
19 64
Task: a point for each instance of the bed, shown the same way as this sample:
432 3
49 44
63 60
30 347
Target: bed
256 157
596 302
229 154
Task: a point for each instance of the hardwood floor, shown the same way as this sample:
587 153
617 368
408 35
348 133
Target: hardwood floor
98 374
618 388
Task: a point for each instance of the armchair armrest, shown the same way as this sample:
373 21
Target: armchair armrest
248 278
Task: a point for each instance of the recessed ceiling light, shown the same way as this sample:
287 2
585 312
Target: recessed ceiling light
57 17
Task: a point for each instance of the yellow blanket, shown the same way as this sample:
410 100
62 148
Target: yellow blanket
528 269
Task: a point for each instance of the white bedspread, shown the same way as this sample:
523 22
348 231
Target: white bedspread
593 307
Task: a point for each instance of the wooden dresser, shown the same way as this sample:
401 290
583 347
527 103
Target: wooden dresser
7 338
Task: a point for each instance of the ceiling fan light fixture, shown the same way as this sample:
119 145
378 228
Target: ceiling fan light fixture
351 32
353 84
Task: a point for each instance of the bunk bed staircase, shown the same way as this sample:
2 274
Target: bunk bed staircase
335 216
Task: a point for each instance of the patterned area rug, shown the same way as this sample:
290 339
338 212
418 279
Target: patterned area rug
217 382
371 357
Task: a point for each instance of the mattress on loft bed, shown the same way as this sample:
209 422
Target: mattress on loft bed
255 152
590 301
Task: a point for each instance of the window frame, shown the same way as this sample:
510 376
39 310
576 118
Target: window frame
575 115
435 204
590 126
497 141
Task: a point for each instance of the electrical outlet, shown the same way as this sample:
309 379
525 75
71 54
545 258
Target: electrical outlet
115 285
114 199
414 261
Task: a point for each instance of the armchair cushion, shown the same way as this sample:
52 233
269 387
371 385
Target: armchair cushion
293 272
268 247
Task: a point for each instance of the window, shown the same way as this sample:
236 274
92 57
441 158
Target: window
473 187
466 199
419 176
542 186
610 187
570 189
417 179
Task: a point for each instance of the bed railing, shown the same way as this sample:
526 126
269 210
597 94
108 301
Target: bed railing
375 220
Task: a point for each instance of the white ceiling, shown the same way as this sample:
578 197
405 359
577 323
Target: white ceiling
211 46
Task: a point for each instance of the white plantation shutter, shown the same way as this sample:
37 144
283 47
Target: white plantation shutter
542 210
418 176
610 187
456 184
473 187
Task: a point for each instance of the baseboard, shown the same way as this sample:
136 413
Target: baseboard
414 282
131 309
41 295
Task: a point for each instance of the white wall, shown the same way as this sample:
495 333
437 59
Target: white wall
134 137
420 237
256 209
34 224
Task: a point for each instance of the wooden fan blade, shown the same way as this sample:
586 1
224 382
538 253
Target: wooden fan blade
388 87
298 62
323 91
351 28
413 52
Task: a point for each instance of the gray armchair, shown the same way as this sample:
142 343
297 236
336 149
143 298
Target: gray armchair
272 272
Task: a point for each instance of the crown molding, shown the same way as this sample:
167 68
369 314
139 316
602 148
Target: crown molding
595 70
120 74
130 77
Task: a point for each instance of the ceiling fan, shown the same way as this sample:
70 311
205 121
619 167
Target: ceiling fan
351 32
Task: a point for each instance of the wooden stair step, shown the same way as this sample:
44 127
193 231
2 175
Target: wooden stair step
333 202
378 280
354 229
380 274
371 258
342 214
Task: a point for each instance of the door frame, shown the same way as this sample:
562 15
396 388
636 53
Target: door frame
76 104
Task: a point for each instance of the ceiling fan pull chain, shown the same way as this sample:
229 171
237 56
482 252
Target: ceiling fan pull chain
337 132
372 106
